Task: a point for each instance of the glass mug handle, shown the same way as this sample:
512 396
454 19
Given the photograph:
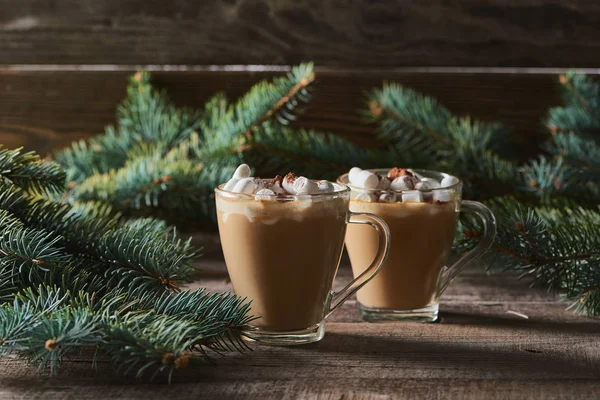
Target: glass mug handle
447 274
338 298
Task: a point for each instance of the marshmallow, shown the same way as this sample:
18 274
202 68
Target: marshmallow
243 171
352 174
387 197
418 176
366 180
434 183
412 197
365 196
230 184
288 182
260 184
404 182
427 184
245 185
276 187
265 194
443 195
325 187
384 183
449 181
303 185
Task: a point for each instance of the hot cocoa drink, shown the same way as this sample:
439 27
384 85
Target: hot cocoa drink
421 210
283 256
422 235
282 239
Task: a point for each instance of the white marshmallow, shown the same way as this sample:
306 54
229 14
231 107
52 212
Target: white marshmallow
325 187
384 183
276 187
352 174
412 197
303 185
264 194
432 182
443 195
404 182
260 184
230 184
427 184
243 171
387 197
245 185
365 196
288 184
449 181
366 180
418 176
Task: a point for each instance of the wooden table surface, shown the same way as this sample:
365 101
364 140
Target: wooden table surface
481 349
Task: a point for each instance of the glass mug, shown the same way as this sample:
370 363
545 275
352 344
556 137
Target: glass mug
283 255
415 274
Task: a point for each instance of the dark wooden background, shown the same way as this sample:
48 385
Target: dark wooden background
63 63
384 33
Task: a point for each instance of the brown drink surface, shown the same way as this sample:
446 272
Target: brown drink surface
422 236
283 256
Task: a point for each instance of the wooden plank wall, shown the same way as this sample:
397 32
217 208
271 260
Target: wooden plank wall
64 63
385 33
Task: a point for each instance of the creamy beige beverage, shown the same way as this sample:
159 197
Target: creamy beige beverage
422 235
421 210
283 256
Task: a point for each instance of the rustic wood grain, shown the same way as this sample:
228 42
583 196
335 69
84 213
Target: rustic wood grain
477 351
358 33
46 110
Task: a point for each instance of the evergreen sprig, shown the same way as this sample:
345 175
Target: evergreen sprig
581 96
27 171
75 276
558 247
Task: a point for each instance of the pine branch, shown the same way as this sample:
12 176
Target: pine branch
127 257
148 115
59 333
142 263
161 334
404 115
551 178
581 114
190 321
145 116
266 101
167 187
558 248
99 154
29 172
577 151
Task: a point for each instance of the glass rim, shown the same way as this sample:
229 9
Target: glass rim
454 186
339 189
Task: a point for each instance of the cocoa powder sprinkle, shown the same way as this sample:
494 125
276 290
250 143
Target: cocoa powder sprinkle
290 177
397 172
